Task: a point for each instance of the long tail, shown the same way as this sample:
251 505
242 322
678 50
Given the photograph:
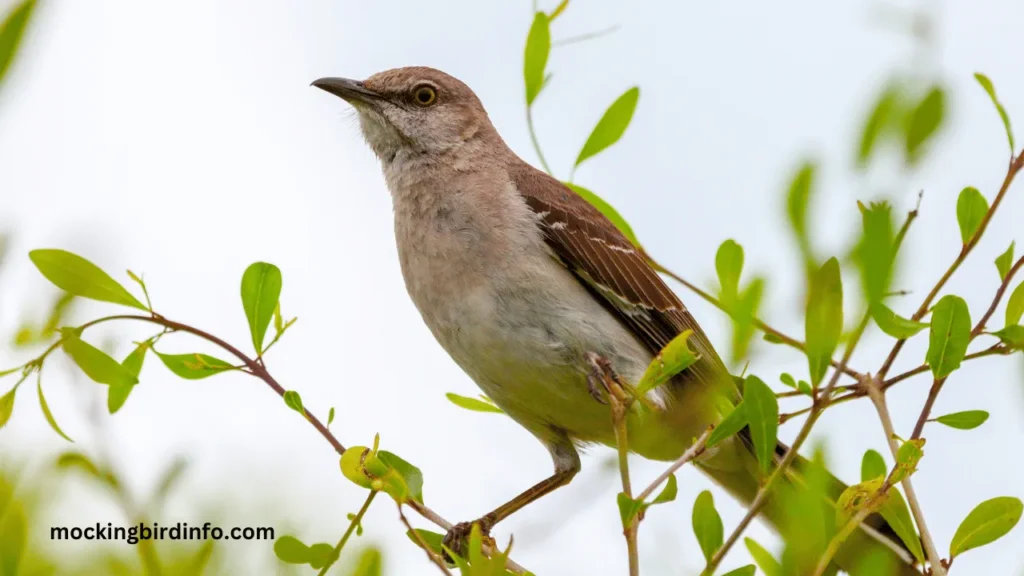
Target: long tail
790 509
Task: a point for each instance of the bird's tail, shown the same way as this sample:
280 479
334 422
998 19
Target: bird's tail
803 507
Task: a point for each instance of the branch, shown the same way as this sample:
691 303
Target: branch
619 402
696 450
351 528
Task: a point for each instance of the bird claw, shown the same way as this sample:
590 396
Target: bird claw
601 377
458 535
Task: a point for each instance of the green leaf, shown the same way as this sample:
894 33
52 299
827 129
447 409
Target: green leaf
773 339
950 333
82 463
923 122
1004 261
824 321
79 277
877 250
433 539
668 493
896 513
893 324
291 550
294 401
330 416
558 10
1015 305
988 522
609 212
193 366
535 57
872 465
1012 336
628 508
117 394
369 564
46 412
473 404
352 464
731 424
971 208
877 124
611 126
707 524
965 420
261 290
412 475
11 31
763 413
748 570
787 379
743 313
987 85
729 265
96 364
907 457
7 406
320 554
764 559
798 199
675 357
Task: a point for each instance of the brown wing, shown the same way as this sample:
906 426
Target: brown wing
610 266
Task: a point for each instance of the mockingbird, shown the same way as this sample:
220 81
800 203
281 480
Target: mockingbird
528 287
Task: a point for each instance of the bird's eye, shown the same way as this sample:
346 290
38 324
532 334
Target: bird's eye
424 95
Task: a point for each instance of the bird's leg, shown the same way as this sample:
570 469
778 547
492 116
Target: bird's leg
602 379
567 464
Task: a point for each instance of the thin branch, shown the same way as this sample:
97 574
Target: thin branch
617 399
980 326
588 36
348 533
436 559
694 451
758 323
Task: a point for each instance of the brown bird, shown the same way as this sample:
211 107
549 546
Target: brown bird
530 289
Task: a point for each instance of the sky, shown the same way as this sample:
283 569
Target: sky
182 140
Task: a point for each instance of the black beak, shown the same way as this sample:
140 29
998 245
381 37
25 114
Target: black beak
348 90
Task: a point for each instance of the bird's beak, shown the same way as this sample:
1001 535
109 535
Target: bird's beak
352 91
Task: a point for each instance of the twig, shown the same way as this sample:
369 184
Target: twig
436 559
584 37
616 398
694 451
351 528
820 401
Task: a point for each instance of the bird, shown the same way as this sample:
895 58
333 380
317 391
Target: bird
535 294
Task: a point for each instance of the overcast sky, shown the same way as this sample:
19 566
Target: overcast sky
182 140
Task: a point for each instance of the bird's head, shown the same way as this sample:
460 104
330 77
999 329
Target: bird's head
415 110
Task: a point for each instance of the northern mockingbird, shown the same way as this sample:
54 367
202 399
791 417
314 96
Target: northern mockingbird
528 288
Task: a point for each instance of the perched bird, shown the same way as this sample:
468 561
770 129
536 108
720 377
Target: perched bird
533 292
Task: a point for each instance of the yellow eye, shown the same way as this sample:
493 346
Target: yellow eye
424 95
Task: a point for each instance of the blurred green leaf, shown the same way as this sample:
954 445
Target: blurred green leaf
320 554
965 420
877 562
261 289
893 324
608 210
558 10
858 497
46 411
294 401
369 564
971 207
611 126
79 277
743 313
82 463
950 333
95 363
762 409
7 405
764 559
707 524
1005 261
749 570
473 404
14 535
991 90
877 250
193 366
117 394
773 339
988 522
729 265
535 57
896 513
11 31
412 475
1012 336
330 416
882 118
675 357
291 550
923 122
872 465
797 201
432 539
731 424
824 320
1015 305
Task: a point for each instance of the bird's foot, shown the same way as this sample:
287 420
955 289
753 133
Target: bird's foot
602 378
457 537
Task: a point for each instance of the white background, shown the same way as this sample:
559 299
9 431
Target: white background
182 140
